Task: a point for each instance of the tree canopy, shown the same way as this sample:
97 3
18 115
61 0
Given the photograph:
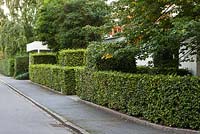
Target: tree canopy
17 25
70 24
161 27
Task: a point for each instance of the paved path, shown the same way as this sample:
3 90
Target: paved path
89 118
18 116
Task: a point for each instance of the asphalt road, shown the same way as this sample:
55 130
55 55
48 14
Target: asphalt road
19 116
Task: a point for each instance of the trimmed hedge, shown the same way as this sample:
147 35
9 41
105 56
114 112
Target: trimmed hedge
164 71
21 65
61 79
71 57
163 99
7 66
43 58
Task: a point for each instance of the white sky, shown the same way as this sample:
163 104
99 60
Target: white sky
6 11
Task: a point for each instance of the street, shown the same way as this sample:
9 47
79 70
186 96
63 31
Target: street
19 116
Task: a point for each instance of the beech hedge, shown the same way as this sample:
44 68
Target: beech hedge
43 58
71 57
61 79
163 99
164 71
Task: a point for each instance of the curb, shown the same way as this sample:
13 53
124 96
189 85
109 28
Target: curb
46 88
59 118
140 121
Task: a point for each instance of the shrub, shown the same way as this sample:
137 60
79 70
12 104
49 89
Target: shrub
164 99
164 71
21 65
164 58
61 79
7 66
43 58
111 56
72 57
24 76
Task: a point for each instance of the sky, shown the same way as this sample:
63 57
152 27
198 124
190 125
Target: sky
6 11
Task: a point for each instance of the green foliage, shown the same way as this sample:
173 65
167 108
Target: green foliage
43 58
71 57
61 79
21 65
69 24
164 71
160 27
85 85
12 40
111 56
24 76
163 99
16 25
7 66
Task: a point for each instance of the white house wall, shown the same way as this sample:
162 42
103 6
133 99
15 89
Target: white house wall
144 62
191 66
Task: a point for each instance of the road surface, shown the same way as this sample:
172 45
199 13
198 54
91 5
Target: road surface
19 116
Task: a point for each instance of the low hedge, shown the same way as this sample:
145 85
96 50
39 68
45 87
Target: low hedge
61 79
7 66
43 58
71 57
21 65
163 99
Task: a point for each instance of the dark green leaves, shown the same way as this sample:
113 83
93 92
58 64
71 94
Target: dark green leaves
62 23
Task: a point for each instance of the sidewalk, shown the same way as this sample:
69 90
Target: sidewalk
91 119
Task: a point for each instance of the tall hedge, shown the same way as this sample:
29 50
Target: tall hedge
163 99
21 65
61 79
71 57
7 66
43 58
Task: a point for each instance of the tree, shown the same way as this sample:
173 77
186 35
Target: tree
70 24
17 25
161 27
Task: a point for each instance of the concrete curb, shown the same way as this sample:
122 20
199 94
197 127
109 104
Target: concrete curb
59 118
142 122
47 88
